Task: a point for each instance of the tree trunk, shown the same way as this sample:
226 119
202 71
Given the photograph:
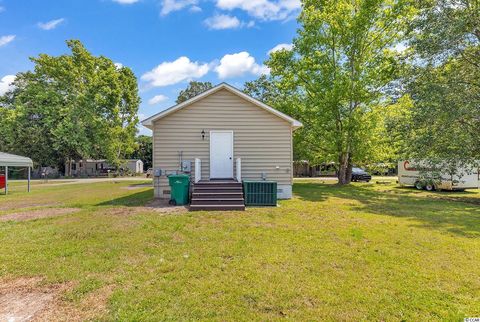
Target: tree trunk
348 176
345 169
68 170
343 166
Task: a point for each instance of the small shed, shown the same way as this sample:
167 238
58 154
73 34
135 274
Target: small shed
12 160
134 165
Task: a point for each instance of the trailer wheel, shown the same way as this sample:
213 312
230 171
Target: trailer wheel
429 187
419 185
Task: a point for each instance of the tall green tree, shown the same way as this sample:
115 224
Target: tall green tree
143 150
71 106
342 60
193 89
444 82
267 90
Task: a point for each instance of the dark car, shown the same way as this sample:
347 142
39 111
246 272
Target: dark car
360 175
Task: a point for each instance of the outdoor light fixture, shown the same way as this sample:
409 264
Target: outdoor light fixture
203 134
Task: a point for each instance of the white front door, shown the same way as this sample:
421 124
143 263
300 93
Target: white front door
221 154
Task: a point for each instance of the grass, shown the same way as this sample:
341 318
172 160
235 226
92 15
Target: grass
363 252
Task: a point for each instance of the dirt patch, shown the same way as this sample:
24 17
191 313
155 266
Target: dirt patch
138 186
155 206
24 298
27 299
38 213
161 205
92 307
23 204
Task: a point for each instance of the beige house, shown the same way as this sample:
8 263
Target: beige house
223 134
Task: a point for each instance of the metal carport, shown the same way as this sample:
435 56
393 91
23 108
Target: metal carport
12 160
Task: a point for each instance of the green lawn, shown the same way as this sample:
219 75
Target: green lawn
363 252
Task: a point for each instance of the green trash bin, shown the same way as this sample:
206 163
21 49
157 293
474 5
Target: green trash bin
179 192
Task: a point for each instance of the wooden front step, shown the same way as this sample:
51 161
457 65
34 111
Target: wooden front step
216 207
214 186
218 184
217 195
217 201
218 191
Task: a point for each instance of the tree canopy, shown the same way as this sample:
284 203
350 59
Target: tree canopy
143 150
193 89
69 107
342 60
443 82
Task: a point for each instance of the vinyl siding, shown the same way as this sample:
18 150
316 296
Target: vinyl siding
261 139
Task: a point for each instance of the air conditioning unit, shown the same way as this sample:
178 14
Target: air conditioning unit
260 193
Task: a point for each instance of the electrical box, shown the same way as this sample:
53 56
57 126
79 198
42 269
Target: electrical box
158 172
186 166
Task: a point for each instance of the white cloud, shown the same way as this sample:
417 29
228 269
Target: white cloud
175 5
52 24
118 65
169 73
280 47
6 39
221 21
157 99
195 9
239 64
6 84
263 9
125 1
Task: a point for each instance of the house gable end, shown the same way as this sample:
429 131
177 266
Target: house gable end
222 87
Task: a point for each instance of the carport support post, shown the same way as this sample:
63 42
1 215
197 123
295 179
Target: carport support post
6 180
28 179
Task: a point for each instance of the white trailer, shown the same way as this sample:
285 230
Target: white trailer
410 174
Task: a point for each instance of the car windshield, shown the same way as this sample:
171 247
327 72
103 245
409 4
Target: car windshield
357 170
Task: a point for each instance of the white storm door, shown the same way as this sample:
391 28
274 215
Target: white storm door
221 154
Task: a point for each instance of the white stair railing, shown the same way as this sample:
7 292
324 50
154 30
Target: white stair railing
239 170
198 170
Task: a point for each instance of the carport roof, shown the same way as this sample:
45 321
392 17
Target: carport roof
12 160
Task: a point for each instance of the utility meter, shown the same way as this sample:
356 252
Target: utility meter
186 166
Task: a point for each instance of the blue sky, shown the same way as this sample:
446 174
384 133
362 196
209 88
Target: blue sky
165 42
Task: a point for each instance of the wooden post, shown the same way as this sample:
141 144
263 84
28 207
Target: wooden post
28 179
6 180
198 170
239 170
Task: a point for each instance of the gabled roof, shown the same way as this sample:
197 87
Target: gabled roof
12 160
149 121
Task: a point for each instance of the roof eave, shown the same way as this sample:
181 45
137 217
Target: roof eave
296 125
